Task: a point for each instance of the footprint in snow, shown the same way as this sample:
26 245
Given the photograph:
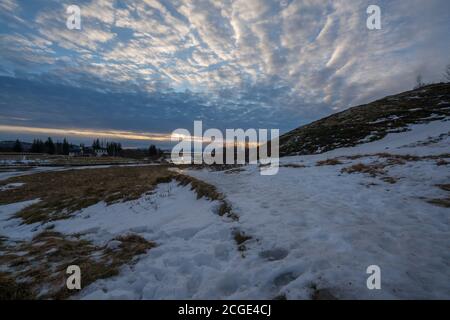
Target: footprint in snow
274 254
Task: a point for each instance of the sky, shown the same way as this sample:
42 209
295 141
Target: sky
137 70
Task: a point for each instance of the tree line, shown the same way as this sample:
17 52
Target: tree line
64 148
50 147
113 148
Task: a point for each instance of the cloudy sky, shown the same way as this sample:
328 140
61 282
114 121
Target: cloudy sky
145 68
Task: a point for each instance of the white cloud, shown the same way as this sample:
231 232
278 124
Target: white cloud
319 52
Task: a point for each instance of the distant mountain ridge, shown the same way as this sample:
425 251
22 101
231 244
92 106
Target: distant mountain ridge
369 122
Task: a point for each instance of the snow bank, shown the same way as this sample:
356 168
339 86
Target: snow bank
12 227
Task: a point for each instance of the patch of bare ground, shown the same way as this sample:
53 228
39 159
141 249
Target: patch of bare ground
230 168
372 170
428 141
293 165
378 168
37 269
320 293
280 297
234 170
404 158
442 202
328 162
445 187
12 290
392 159
240 238
442 162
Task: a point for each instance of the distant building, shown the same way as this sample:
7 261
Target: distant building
75 151
101 152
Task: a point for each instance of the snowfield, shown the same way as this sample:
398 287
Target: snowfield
313 229
325 228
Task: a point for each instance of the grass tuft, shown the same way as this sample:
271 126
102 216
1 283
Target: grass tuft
328 162
240 238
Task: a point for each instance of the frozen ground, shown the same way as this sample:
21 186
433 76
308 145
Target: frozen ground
312 228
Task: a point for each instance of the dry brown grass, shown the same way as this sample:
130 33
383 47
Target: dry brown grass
328 162
240 238
233 171
321 294
372 170
210 192
387 160
12 290
442 202
403 158
390 180
202 188
445 187
47 256
293 165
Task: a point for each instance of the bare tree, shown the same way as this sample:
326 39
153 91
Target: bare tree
419 83
447 74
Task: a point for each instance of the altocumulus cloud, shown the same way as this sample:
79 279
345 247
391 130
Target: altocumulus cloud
230 62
